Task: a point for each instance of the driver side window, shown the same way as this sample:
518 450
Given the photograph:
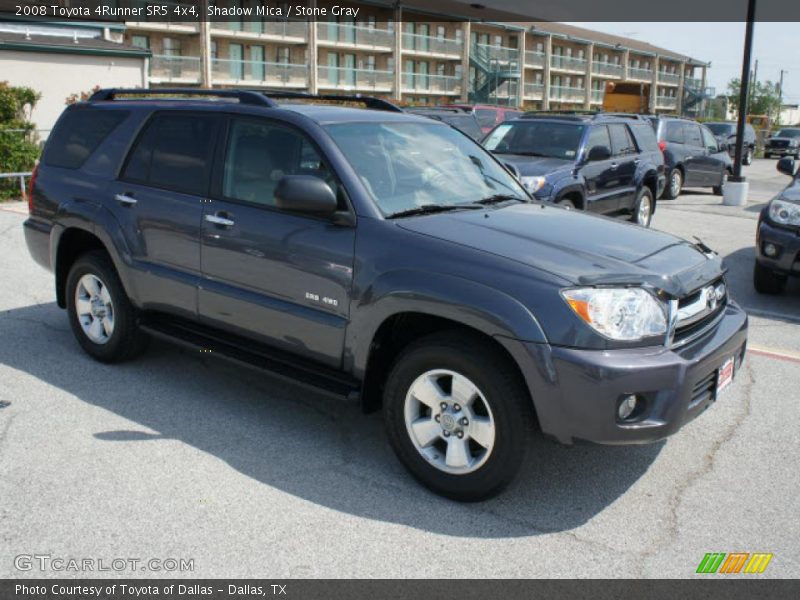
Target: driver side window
260 153
709 141
598 136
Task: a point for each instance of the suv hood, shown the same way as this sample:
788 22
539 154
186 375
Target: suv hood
536 165
580 248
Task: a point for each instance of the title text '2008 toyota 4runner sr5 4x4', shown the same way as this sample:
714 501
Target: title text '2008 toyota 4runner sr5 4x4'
383 257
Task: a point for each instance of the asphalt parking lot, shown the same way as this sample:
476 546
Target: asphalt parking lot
177 455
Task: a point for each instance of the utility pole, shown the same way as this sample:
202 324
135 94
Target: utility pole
755 84
780 97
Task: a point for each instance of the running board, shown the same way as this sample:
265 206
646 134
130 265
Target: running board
284 366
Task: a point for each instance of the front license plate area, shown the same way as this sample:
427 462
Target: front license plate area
725 376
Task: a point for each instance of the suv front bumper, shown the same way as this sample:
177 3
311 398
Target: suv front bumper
787 241
785 151
577 392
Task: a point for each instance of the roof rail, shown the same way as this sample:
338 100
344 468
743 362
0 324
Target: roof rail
244 96
368 101
561 112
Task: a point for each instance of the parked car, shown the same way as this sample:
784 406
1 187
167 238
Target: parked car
786 142
460 118
488 115
692 154
604 164
725 132
381 257
778 236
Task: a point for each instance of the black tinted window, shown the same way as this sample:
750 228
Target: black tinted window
692 134
486 116
598 136
466 124
621 142
174 152
78 134
673 132
645 137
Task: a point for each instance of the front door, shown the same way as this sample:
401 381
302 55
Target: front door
600 177
694 156
625 160
281 278
158 202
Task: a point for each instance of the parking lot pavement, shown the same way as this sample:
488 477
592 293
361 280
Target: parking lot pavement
178 455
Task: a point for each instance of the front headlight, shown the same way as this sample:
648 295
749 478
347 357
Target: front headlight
619 313
533 184
784 213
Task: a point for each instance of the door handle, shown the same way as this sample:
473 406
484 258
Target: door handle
125 199
614 166
221 221
636 161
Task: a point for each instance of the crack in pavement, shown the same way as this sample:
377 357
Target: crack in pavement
680 490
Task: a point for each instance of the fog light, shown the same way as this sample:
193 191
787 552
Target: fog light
626 407
770 250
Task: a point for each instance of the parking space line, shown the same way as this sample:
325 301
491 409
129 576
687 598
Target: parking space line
786 355
13 209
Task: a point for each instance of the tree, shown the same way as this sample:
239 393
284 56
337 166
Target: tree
18 147
764 97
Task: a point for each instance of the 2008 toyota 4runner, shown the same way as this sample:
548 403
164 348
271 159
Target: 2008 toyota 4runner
383 257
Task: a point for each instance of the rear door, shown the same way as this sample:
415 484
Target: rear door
281 278
599 176
158 201
624 163
694 161
714 160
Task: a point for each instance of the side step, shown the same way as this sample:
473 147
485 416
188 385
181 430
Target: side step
306 373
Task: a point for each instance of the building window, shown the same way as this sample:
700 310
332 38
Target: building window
498 40
283 55
540 47
440 69
440 31
370 62
141 41
459 35
172 46
371 22
213 49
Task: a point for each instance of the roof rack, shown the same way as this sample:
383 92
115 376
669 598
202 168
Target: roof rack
244 96
255 97
561 112
441 109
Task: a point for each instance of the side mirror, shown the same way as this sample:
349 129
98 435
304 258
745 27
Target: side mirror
723 146
786 166
599 153
514 170
305 194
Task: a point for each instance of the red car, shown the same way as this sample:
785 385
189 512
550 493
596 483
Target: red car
489 115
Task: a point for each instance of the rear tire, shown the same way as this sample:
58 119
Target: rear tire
674 185
102 317
643 207
567 203
457 415
767 281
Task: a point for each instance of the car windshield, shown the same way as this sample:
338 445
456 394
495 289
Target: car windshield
536 138
721 128
407 166
788 133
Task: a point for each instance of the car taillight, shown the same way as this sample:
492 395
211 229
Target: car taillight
30 188
662 145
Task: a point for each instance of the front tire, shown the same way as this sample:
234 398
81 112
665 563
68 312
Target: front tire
643 207
456 415
674 185
101 316
719 189
748 158
767 281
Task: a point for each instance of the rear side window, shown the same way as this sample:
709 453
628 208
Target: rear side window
466 124
486 116
78 134
645 137
673 132
692 135
621 141
174 152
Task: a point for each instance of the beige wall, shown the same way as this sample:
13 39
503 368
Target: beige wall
56 76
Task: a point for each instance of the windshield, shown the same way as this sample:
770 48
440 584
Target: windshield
536 138
410 165
788 133
721 128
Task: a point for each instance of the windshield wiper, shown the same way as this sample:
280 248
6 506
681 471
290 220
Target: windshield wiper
497 198
427 209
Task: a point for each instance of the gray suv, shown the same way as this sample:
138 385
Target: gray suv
379 257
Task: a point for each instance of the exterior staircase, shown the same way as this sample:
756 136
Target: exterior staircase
497 75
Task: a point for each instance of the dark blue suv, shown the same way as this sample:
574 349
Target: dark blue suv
592 161
379 257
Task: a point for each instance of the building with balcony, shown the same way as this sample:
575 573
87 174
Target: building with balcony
413 53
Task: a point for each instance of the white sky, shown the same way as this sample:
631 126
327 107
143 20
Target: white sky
775 45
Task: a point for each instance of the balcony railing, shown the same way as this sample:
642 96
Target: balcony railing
534 58
568 63
284 29
607 69
354 35
265 73
643 74
567 94
666 102
502 54
669 78
693 82
354 79
597 96
533 91
175 68
427 44
431 84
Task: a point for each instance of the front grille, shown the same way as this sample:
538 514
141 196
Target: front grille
779 143
704 389
699 311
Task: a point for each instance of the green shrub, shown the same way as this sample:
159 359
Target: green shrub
18 146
